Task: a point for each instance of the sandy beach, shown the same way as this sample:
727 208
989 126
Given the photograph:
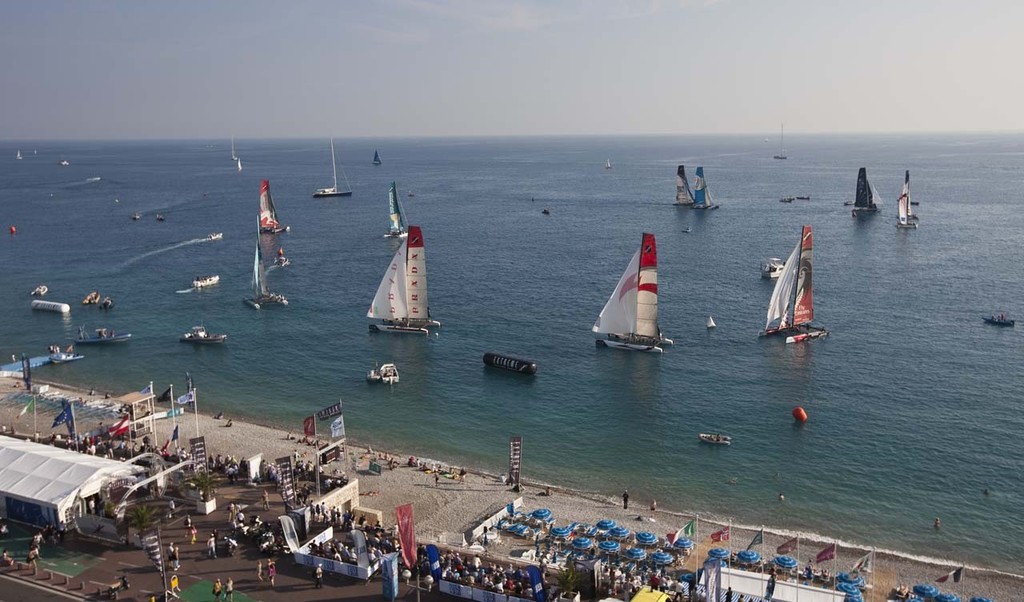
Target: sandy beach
451 507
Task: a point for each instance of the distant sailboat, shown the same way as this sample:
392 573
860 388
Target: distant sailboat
401 299
268 213
701 194
711 323
905 218
333 191
234 157
396 215
629 319
866 201
19 156
793 291
608 164
239 163
782 143
376 158
261 295
684 196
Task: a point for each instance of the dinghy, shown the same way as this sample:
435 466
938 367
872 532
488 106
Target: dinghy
269 223
701 194
715 438
397 227
40 291
101 336
205 281
63 357
793 291
998 320
772 268
629 319
684 196
401 299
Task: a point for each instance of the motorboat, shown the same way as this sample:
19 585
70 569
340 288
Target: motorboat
546 211
136 216
772 268
159 217
199 336
40 291
205 281
107 303
787 199
282 261
998 320
386 373
92 298
64 163
215 236
101 336
64 357
715 438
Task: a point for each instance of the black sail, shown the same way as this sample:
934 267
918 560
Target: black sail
863 190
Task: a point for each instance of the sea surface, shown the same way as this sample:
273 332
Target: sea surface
914 402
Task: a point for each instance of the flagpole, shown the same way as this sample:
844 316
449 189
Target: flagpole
195 407
729 580
316 449
35 420
835 554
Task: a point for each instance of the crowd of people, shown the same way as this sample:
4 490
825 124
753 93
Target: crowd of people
491 576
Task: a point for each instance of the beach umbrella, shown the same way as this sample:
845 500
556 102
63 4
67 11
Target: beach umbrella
560 532
683 543
582 543
854 597
606 524
636 554
926 590
913 599
847 588
688 577
660 557
618 532
947 597
541 514
609 546
720 553
748 556
786 562
856 580
646 538
980 599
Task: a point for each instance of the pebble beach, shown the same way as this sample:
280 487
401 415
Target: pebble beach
443 511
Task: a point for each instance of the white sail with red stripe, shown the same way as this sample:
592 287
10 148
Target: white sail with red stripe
401 300
630 316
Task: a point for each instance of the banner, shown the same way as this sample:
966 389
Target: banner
359 548
713 579
198 449
309 426
789 546
537 584
515 459
389 576
434 557
329 411
338 427
721 534
285 481
406 534
26 372
151 545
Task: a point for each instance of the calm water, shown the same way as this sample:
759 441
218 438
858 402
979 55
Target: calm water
913 401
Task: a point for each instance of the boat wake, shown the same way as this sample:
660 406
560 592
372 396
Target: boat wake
187 290
134 260
93 179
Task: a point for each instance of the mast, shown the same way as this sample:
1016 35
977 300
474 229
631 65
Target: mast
906 194
334 164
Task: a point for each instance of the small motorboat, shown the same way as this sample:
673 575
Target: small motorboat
546 212
64 163
63 357
205 281
92 298
215 236
787 199
101 336
40 291
998 320
159 217
282 261
136 216
387 373
715 438
772 268
199 336
687 230
107 303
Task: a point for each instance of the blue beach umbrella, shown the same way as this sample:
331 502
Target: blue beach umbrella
646 538
913 599
683 543
660 557
618 532
541 514
560 532
582 543
854 597
847 588
606 524
786 562
856 580
719 553
926 590
609 546
688 578
980 599
947 597
636 554
748 556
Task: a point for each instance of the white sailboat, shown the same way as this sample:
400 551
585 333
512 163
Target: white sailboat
608 164
782 143
234 157
239 163
401 299
396 215
793 291
261 295
711 323
684 196
19 156
333 190
905 218
629 319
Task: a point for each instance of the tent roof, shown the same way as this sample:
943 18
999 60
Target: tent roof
54 476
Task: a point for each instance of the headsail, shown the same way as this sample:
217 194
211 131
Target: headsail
268 214
803 305
416 275
701 193
778 306
684 196
396 217
864 196
259 274
376 158
390 301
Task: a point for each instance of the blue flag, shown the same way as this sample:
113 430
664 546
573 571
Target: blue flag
537 584
66 416
187 398
434 556
148 390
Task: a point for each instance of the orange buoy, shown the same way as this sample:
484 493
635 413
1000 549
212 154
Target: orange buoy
280 251
799 414
14 230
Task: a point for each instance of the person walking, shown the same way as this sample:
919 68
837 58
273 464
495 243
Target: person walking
170 508
194 532
218 590
271 571
318 574
229 590
625 500
266 500
259 570
211 546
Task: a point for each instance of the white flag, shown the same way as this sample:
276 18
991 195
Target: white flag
338 427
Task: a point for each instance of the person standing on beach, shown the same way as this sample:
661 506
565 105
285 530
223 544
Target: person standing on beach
437 479
625 500
318 574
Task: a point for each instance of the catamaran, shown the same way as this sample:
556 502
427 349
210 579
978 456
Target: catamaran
396 215
376 158
867 199
905 219
261 295
782 143
793 291
701 193
401 299
333 191
268 214
684 196
629 319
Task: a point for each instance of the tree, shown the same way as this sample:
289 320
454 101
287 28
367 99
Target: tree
203 482
569 580
141 518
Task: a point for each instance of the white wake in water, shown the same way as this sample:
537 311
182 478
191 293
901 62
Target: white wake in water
93 179
187 290
134 260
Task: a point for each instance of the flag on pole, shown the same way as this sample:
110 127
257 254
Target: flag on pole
163 450
956 575
165 396
65 416
188 382
690 529
713 579
187 398
721 534
827 554
28 407
309 426
864 564
148 390
174 435
406 533
26 372
788 547
758 539
338 427
120 427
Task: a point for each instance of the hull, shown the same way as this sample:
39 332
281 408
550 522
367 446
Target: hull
275 230
907 226
795 331
117 338
646 348
715 439
261 302
396 235
396 329
64 358
998 322
800 338
326 193
703 207
864 211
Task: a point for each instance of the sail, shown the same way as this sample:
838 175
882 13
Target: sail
620 312
239 164
396 218
876 199
334 165
389 303
903 205
416 275
234 157
268 215
259 274
376 158
647 289
803 306
906 193
701 194
863 190
684 196
778 306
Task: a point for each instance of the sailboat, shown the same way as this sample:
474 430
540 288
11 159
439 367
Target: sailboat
260 294
629 319
396 215
401 299
333 191
239 161
905 219
234 157
19 156
782 143
268 214
866 202
608 164
793 291
711 323
701 194
376 157
684 196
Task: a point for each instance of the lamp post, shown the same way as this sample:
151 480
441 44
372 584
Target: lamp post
427 579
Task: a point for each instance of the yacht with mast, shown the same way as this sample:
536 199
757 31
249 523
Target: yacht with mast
791 307
401 299
629 319
782 143
261 295
905 218
701 193
333 191
867 200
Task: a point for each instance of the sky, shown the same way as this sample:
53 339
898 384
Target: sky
146 69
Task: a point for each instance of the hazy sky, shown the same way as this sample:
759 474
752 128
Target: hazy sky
208 69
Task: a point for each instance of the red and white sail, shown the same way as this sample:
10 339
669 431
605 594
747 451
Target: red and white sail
402 293
803 305
416 275
794 289
633 305
268 214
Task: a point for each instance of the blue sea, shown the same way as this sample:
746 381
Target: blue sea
914 402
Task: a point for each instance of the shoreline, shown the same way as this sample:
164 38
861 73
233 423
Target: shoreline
455 507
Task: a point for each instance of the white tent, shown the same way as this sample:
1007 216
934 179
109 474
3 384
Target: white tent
39 483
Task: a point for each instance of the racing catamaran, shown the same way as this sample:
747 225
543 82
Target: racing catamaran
260 294
396 215
401 299
905 218
268 214
866 201
701 193
684 196
793 291
629 319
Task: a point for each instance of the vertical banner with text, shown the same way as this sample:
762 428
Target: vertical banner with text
515 459
198 450
286 481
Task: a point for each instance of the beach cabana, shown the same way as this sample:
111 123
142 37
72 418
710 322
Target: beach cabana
606 524
926 590
947 597
635 554
646 538
683 543
748 557
721 554
660 558
785 562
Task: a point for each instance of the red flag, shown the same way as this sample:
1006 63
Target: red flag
671 537
827 554
721 534
406 534
163 450
788 547
120 428
309 426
